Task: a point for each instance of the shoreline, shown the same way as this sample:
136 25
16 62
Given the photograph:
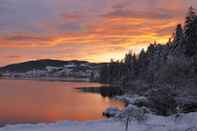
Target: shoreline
50 79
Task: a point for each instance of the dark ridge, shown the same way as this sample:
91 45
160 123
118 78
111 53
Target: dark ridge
39 65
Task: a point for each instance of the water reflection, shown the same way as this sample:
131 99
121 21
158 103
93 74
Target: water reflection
23 101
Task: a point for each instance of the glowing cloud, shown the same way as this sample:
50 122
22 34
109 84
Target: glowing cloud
94 30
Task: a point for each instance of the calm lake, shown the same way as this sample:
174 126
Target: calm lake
28 101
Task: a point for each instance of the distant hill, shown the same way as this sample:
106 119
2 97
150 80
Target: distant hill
53 70
39 65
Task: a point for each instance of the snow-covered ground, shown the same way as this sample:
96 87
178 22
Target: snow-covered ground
187 122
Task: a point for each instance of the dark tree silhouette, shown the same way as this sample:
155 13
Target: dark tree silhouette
179 35
191 32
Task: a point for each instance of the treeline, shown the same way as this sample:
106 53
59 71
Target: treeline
169 68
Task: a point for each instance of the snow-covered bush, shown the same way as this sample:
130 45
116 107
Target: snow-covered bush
134 100
131 113
162 100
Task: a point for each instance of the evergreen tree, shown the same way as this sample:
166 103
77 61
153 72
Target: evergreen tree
104 74
128 59
129 62
142 62
191 32
179 35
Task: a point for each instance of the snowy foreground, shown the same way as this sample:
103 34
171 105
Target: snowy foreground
187 122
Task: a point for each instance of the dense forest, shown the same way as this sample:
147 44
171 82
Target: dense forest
165 73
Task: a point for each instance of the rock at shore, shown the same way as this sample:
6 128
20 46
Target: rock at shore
111 112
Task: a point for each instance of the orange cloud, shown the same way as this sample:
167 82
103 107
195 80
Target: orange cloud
110 35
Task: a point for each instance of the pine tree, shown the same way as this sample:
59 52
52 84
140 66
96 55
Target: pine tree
191 32
142 63
128 58
179 35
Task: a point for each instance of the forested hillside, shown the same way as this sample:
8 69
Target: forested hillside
165 73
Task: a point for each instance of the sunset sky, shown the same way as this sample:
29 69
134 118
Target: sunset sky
93 30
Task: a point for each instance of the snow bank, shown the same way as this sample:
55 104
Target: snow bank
135 99
186 122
